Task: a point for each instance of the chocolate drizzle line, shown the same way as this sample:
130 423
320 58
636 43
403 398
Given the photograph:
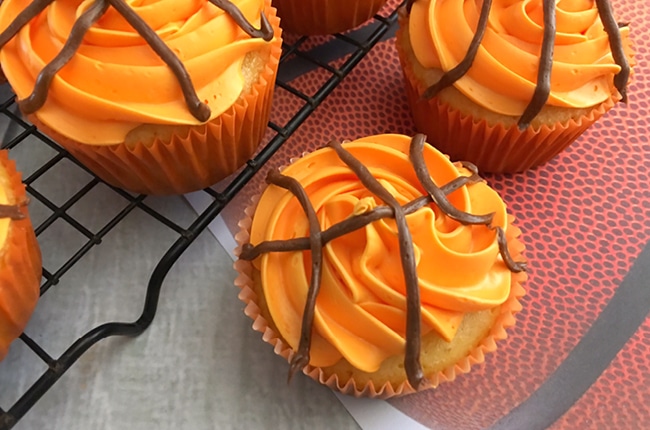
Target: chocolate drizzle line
462 68
355 222
38 96
616 46
502 241
198 109
301 358
437 195
543 88
265 32
413 313
33 9
11 211
393 209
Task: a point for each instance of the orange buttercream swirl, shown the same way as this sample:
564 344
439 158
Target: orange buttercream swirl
115 81
361 308
503 75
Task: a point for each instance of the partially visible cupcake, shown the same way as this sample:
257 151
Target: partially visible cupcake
20 257
372 304
479 94
310 17
155 100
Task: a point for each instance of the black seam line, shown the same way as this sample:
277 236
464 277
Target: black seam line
620 319
332 50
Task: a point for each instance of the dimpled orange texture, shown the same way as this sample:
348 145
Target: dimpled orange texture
116 81
361 307
503 75
20 259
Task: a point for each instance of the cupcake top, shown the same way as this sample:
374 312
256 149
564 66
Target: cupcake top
368 239
20 262
513 57
95 72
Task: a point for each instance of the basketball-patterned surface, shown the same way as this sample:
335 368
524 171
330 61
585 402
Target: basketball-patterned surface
580 352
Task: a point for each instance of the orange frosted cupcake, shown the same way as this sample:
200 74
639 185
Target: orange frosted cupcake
478 75
325 16
152 99
20 257
378 267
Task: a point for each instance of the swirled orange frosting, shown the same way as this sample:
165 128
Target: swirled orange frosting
360 311
503 75
116 82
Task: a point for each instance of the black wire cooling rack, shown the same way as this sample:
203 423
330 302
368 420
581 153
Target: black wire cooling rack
298 57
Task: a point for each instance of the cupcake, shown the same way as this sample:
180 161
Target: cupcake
378 267
479 81
20 257
152 99
310 17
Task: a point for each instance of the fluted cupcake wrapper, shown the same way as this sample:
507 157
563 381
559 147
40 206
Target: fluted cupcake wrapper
250 291
311 17
201 157
493 148
20 265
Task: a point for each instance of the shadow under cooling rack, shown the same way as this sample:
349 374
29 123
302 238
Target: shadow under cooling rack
63 192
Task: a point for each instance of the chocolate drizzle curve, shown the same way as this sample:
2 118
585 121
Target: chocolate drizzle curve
318 239
301 358
265 31
457 72
543 87
37 98
197 108
612 28
11 211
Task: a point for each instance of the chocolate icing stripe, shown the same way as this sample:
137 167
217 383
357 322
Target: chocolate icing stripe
39 95
11 211
355 222
502 241
412 364
616 45
469 166
462 68
265 31
33 9
438 196
301 357
199 110
318 239
543 88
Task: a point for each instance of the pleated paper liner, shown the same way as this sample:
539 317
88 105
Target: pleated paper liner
342 377
189 161
20 262
494 148
311 17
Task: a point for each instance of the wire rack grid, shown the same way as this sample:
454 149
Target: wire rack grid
299 56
